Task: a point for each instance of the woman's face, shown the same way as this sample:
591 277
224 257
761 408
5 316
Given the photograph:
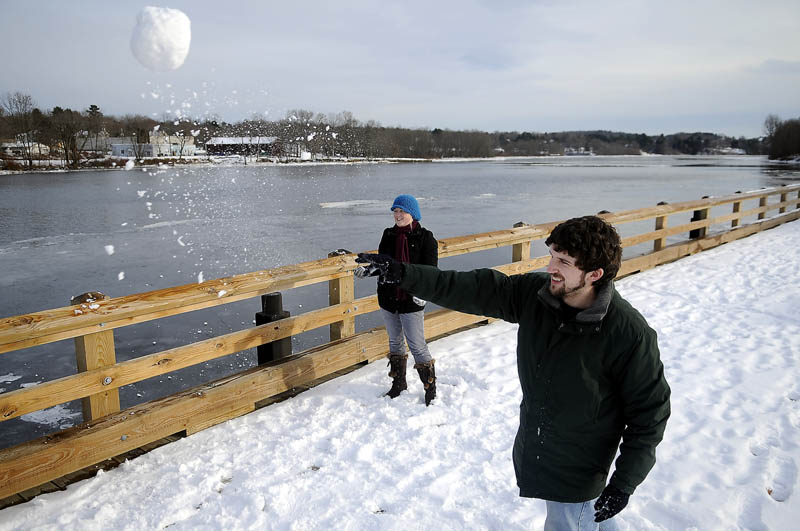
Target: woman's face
402 218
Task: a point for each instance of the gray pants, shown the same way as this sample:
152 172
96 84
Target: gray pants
575 517
412 325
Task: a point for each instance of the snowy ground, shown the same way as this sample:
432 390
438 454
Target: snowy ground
342 456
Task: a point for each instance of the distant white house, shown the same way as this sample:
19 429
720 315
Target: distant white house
17 149
241 145
160 145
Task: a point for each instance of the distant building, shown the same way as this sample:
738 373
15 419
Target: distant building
243 145
160 145
17 149
93 143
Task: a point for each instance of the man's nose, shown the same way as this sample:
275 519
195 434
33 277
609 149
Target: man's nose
551 266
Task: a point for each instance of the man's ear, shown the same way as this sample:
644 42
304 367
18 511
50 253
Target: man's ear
596 275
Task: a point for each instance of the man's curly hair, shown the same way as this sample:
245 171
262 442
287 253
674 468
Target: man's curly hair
593 243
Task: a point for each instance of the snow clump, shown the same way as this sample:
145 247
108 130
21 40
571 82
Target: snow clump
161 38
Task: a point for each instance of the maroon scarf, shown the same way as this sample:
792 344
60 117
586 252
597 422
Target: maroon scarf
401 252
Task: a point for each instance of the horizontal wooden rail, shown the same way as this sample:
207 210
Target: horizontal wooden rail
63 323
705 223
667 209
679 250
48 394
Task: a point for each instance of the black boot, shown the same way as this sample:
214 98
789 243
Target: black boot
397 371
428 376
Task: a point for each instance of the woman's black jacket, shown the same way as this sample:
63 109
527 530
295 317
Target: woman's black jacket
422 249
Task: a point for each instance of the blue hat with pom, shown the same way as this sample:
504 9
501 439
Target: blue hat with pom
407 203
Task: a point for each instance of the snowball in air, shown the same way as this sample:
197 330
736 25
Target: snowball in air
109 249
161 38
129 165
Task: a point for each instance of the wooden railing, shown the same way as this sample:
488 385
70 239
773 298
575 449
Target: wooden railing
107 432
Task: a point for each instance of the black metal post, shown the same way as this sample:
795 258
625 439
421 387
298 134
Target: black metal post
272 310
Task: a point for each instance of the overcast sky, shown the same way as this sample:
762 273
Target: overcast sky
495 65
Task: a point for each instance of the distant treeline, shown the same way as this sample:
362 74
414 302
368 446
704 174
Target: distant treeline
342 135
782 139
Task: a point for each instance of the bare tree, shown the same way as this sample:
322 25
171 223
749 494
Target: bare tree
67 124
771 124
18 111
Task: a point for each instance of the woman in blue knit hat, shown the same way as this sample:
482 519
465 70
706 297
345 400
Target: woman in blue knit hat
407 241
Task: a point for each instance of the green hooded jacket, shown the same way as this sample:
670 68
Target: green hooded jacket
586 383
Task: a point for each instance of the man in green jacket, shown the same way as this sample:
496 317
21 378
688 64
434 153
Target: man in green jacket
588 365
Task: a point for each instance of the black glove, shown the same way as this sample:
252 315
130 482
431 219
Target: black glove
391 270
611 501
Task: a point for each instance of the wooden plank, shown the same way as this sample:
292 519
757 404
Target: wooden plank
679 250
96 351
63 323
342 290
762 202
48 394
661 223
521 251
736 217
687 206
217 416
491 240
701 224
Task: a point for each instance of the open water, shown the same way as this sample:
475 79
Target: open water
124 232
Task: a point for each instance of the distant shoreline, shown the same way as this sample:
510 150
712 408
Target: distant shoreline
236 160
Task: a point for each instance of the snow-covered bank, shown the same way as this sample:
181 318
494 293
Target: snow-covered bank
342 456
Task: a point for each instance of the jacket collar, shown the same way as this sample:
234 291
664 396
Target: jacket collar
593 314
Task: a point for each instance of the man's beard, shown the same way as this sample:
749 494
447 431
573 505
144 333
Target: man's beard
563 291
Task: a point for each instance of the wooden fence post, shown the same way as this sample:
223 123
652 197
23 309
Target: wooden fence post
661 223
699 215
521 251
737 207
94 351
762 201
341 290
783 198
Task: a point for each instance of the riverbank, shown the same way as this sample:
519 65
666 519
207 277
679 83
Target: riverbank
237 160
